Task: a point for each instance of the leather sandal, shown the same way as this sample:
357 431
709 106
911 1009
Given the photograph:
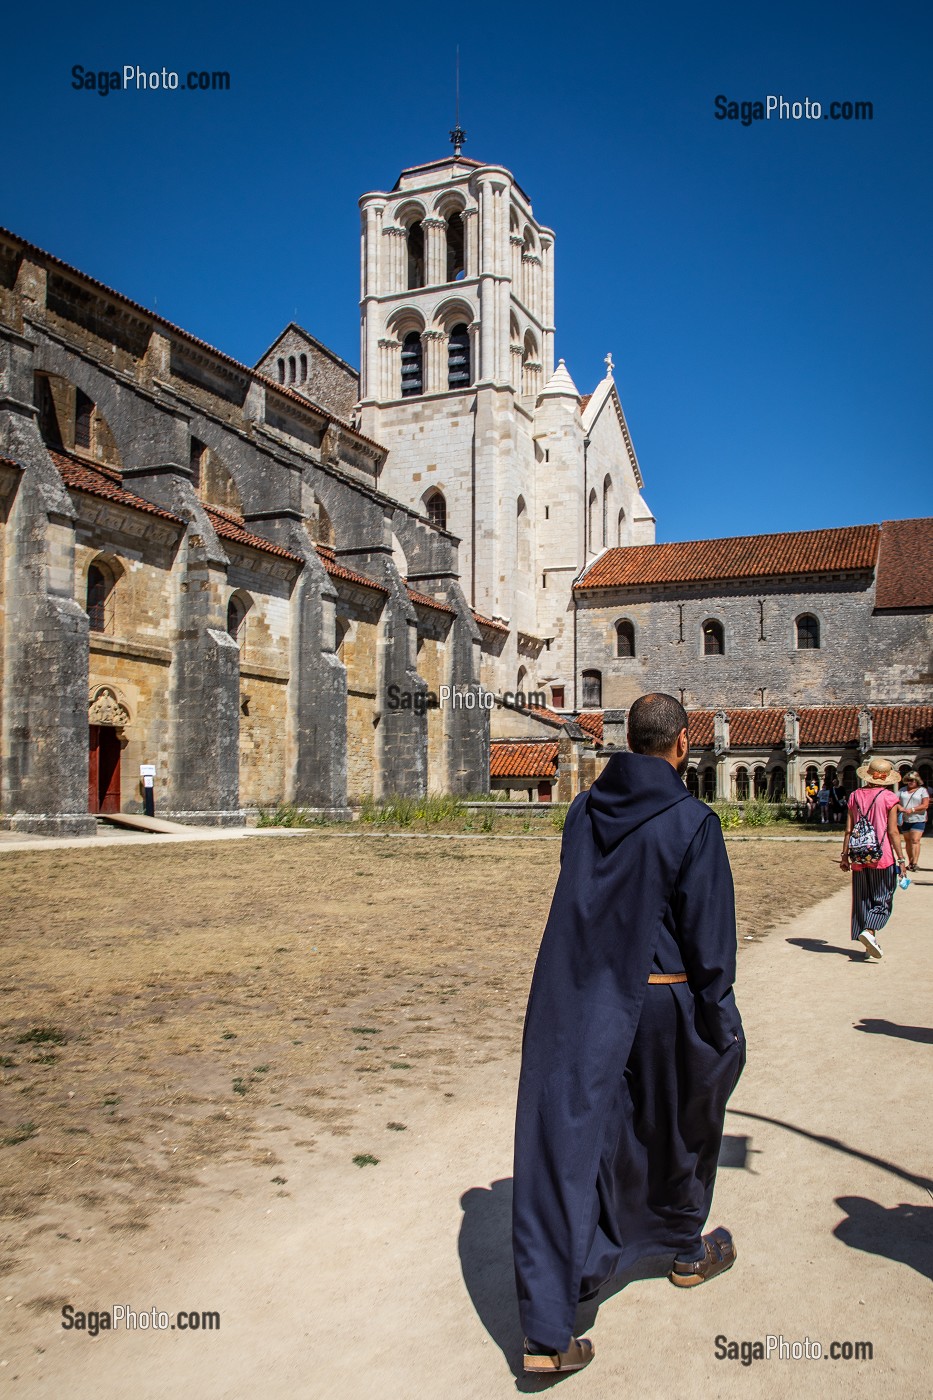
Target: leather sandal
551 1363
719 1255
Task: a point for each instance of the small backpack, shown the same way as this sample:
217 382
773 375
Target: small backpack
864 846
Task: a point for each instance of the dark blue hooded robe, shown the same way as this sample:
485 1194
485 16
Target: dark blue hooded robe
623 1085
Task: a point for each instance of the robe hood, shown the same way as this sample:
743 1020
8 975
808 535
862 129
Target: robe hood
632 788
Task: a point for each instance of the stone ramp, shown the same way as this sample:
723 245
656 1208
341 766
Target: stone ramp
137 822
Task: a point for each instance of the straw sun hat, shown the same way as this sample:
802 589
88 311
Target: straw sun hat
878 772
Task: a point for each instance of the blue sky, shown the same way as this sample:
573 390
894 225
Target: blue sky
766 291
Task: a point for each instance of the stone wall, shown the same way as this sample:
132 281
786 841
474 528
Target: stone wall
761 663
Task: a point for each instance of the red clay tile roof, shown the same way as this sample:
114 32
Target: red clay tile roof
488 622
700 728
427 602
230 526
9 462
584 400
341 571
837 724
186 335
541 712
103 482
905 564
592 722
530 758
902 724
820 726
751 728
853 547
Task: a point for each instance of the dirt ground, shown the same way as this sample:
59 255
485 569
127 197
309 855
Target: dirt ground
180 1005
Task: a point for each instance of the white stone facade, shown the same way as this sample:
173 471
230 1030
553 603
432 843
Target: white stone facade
458 383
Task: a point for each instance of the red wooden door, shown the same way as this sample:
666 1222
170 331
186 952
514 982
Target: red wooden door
103 769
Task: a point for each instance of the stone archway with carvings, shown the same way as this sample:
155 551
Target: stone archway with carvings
105 707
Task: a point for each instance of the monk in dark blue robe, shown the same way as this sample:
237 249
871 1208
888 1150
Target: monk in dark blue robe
632 1042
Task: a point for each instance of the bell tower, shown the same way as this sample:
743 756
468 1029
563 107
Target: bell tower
457 323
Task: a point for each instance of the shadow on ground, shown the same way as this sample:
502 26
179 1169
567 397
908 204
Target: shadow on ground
856 953
485 1249
875 1026
903 1233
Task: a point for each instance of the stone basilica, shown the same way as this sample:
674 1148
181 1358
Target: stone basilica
230 574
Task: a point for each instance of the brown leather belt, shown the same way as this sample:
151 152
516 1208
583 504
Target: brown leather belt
665 978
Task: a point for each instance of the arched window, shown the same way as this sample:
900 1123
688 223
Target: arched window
592 690
620 537
455 260
280 366
458 357
412 365
531 368
760 781
607 487
926 775
319 524
777 785
808 633
236 619
741 784
291 369
709 784
521 681
196 456
99 603
829 777
48 415
591 521
303 367
84 413
436 510
415 255
714 638
522 536
812 775
693 782
625 638
849 777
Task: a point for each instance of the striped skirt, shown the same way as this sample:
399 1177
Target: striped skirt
872 897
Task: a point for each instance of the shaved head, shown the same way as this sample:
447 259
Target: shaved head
654 722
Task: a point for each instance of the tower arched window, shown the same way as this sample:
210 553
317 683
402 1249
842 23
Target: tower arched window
607 487
303 367
291 369
522 536
236 618
84 413
99 601
625 638
436 510
280 366
415 242
591 520
714 638
458 357
620 538
455 259
808 633
412 365
592 690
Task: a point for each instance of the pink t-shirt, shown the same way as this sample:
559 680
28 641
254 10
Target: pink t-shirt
875 804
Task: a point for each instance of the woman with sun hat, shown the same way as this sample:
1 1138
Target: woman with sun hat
874 879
